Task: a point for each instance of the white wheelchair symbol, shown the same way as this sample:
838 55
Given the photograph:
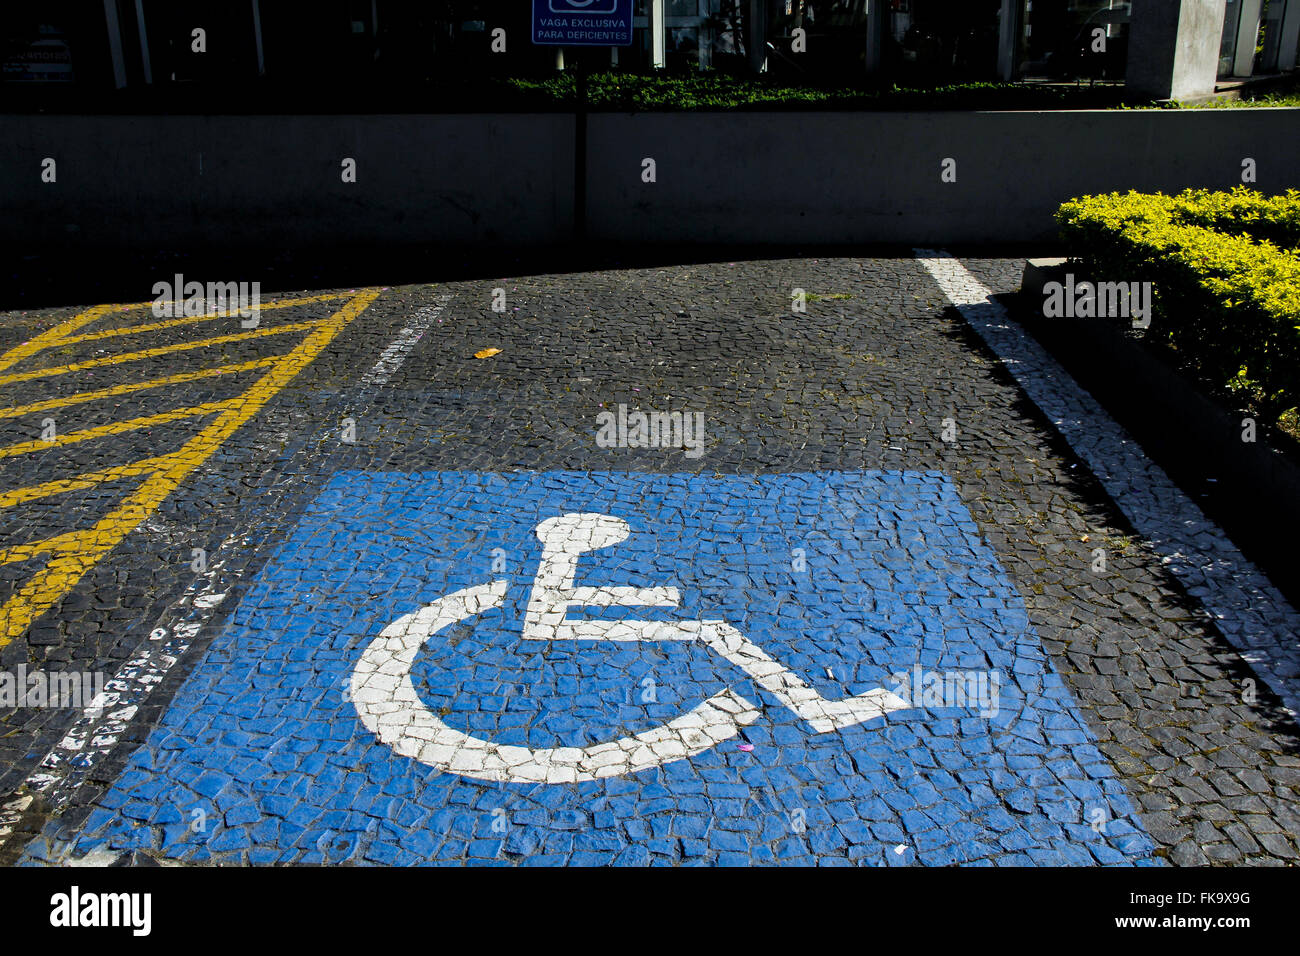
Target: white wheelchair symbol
388 705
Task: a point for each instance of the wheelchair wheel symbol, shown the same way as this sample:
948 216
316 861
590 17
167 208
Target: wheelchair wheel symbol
388 705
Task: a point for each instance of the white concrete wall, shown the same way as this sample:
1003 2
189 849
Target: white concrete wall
171 180
508 178
876 177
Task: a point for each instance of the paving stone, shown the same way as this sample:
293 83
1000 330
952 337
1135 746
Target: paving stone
989 554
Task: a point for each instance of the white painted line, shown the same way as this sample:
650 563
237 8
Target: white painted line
1248 609
401 346
101 725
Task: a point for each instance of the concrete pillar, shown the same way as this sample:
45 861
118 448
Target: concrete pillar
1173 49
1008 34
877 23
756 35
144 42
1286 57
257 33
1243 64
658 35
115 43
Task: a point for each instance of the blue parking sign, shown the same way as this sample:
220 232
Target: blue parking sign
582 22
627 668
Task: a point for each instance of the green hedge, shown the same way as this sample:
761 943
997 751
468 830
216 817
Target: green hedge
1226 277
707 90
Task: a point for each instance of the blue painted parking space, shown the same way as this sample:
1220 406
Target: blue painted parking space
626 668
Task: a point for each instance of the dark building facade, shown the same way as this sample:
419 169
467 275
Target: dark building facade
333 46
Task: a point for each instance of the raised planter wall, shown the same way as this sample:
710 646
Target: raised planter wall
720 177
875 177
266 180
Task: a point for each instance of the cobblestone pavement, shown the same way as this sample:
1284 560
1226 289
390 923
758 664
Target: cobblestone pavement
378 593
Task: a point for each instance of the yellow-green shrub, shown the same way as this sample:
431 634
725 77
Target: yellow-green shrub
1226 278
1242 211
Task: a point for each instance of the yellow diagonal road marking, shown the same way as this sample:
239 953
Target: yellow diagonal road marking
56 334
80 482
51 336
181 377
80 551
191 319
68 542
116 428
62 334
59 544
160 350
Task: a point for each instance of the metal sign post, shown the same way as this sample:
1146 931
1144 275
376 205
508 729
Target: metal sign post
581 23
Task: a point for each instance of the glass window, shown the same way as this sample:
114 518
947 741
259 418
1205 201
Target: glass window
927 42
698 34
1069 40
1228 47
1270 41
835 34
